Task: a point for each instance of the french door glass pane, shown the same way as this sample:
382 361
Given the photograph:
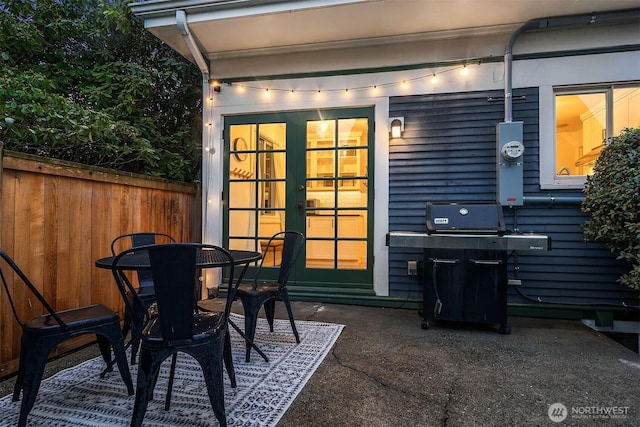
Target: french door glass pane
337 188
257 184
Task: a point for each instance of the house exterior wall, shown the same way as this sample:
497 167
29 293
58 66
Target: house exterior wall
447 153
393 93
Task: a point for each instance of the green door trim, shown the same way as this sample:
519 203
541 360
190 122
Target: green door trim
296 129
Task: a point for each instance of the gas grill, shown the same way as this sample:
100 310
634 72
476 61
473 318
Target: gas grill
466 247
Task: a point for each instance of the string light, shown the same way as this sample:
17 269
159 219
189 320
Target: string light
432 77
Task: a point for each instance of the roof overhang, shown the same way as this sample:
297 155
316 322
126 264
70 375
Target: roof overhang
239 31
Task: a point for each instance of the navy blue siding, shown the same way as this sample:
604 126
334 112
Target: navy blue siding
447 153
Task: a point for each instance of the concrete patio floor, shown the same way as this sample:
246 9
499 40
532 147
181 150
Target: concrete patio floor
384 370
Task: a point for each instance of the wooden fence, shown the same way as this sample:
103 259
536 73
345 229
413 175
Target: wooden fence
58 217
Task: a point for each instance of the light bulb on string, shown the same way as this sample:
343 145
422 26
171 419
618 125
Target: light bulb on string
405 84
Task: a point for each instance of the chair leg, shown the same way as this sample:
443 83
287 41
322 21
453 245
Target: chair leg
105 351
250 320
284 296
213 377
126 322
228 359
117 343
32 377
17 388
147 373
137 320
269 311
29 393
172 372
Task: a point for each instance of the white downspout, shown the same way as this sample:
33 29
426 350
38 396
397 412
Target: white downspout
181 22
211 277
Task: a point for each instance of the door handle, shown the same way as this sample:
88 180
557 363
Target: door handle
300 187
300 207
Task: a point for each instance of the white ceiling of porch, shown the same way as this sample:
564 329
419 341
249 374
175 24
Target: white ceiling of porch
238 28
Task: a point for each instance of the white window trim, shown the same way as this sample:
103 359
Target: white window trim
548 178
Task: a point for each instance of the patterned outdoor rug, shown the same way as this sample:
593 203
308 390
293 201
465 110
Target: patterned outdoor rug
79 397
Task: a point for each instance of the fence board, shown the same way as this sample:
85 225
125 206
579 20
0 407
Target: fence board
57 218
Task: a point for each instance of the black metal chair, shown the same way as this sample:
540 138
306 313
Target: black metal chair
43 333
145 291
179 326
265 293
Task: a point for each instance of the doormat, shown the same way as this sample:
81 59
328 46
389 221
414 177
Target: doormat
79 397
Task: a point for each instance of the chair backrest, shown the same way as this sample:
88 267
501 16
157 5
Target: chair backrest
174 268
133 240
292 245
10 271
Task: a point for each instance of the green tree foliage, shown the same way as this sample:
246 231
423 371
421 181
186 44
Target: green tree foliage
612 196
82 80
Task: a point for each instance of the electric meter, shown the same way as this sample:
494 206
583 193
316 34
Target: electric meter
512 150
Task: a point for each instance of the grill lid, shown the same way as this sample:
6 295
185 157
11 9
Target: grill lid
465 218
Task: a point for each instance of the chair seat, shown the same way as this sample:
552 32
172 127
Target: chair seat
204 325
247 288
147 293
77 318
214 304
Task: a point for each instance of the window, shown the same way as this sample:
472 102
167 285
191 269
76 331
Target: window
584 119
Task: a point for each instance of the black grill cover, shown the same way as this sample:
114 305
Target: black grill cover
465 218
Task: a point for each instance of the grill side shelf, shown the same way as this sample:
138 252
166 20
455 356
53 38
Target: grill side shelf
511 242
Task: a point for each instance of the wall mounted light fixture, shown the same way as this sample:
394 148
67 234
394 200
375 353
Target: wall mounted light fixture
215 85
396 124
